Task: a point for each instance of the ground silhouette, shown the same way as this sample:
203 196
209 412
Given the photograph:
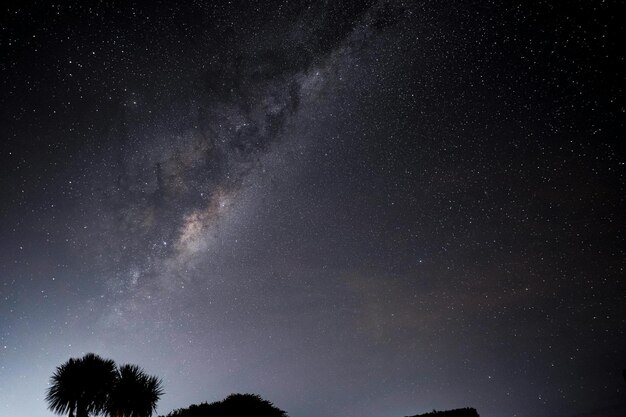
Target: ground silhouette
235 405
459 412
92 385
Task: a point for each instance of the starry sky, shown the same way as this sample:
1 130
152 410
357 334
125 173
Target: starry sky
352 208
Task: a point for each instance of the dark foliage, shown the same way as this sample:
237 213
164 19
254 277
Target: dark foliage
92 385
459 412
81 386
235 405
134 394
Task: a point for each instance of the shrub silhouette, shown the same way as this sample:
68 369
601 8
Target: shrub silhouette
235 405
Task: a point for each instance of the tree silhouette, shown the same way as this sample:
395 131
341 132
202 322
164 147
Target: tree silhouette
93 385
459 412
81 386
134 394
235 405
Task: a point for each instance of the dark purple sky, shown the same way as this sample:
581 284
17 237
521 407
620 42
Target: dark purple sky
350 208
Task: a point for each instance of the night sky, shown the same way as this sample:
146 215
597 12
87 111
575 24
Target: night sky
351 208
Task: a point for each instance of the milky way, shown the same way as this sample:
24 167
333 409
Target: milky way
174 188
365 208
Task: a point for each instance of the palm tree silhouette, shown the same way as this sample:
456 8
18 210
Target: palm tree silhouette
81 386
92 385
134 394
